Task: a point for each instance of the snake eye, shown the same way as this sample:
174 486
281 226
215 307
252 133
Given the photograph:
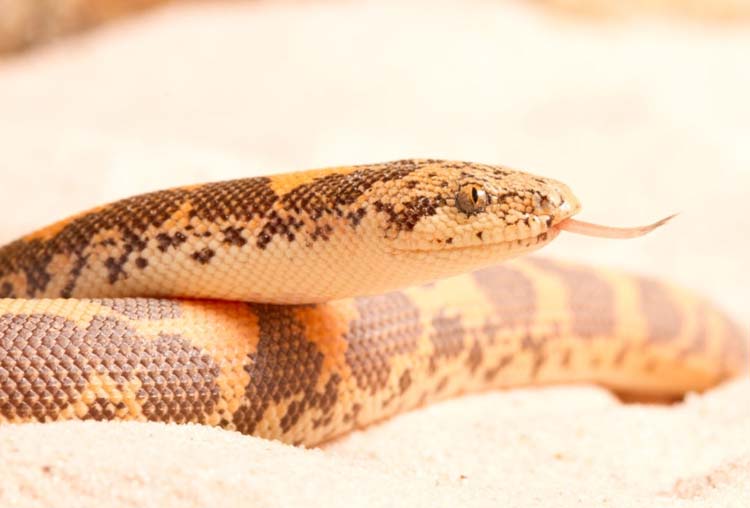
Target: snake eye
471 199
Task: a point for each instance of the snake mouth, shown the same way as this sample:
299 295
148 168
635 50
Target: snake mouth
524 244
520 245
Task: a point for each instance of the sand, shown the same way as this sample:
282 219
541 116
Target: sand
25 24
726 11
641 118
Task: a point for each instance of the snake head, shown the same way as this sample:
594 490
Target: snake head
470 215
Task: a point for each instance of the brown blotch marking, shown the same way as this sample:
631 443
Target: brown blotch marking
321 422
60 358
204 255
591 298
141 263
321 233
663 318
479 234
352 416
278 224
285 365
166 241
129 219
263 240
537 348
324 401
566 357
404 382
330 195
75 272
476 355
233 236
511 295
503 362
388 325
410 212
115 269
151 309
387 402
356 216
101 410
242 200
447 337
622 353
6 290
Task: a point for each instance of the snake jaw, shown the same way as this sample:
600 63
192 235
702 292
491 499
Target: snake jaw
494 250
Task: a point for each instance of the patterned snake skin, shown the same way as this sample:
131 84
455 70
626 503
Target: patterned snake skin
297 329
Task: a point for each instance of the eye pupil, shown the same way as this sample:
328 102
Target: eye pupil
471 199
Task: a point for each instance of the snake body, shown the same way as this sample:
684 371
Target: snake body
299 307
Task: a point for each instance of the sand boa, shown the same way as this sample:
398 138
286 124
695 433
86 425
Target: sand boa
331 341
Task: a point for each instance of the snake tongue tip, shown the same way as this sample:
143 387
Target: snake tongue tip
600 231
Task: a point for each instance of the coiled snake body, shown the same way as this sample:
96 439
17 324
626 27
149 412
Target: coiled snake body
275 305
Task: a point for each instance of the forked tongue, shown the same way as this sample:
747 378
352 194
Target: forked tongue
588 229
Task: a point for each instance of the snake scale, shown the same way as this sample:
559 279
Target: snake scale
301 306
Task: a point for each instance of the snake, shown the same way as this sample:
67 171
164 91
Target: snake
302 306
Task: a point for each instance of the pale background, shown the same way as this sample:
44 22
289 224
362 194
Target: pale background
641 118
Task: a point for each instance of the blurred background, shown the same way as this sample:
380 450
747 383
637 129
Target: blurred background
642 107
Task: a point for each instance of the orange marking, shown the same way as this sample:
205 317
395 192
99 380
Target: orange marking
283 183
180 218
326 330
